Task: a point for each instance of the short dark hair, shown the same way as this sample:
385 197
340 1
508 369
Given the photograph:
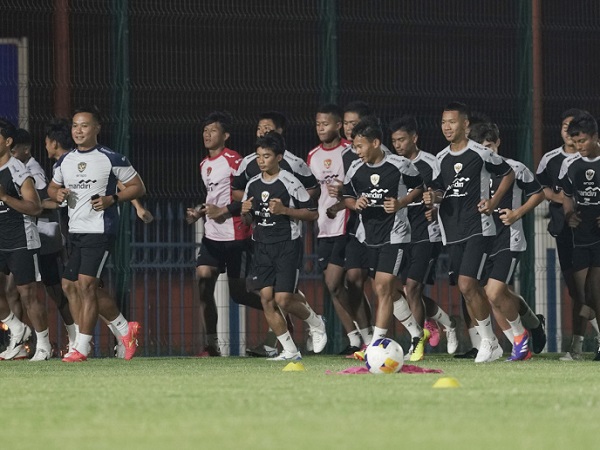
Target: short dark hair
359 107
369 127
223 118
476 117
22 137
90 109
584 123
333 109
278 119
407 123
462 109
59 130
7 129
272 140
571 112
484 131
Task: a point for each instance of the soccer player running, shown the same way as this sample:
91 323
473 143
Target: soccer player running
275 202
507 247
87 179
462 189
226 242
48 223
327 165
275 121
377 187
19 244
548 172
580 179
426 240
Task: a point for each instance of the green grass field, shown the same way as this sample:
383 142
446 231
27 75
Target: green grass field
243 403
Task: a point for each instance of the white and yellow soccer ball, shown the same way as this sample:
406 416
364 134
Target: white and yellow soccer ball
384 356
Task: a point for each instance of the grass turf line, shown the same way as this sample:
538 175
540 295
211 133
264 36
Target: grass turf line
247 403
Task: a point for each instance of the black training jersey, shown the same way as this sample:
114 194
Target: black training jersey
465 179
420 228
392 177
18 230
270 228
513 237
547 173
579 178
296 166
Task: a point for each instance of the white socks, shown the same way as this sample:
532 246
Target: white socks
287 342
404 315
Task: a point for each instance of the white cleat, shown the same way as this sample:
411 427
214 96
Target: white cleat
571 356
489 351
319 336
16 343
286 356
452 340
120 350
41 354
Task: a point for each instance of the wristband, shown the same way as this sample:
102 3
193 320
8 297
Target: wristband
115 198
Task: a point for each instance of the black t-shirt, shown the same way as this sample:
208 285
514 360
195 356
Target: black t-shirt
580 179
547 173
392 177
421 229
465 180
270 228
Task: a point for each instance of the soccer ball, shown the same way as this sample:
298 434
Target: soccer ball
384 356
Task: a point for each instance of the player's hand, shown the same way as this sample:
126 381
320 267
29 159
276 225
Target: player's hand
62 194
247 205
215 213
429 198
485 207
334 189
192 215
391 205
144 215
431 214
331 212
508 216
101 202
361 203
2 193
573 219
276 207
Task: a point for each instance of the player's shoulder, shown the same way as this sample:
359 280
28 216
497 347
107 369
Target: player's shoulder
17 165
481 149
288 177
427 158
254 179
231 155
552 154
116 159
443 153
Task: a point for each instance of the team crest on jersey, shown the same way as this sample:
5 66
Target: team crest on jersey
327 163
589 174
81 166
208 170
458 167
375 179
264 196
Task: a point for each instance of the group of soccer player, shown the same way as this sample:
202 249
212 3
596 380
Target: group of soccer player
387 216
378 214
76 211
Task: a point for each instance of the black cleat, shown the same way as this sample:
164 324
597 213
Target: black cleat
349 350
471 354
597 357
539 335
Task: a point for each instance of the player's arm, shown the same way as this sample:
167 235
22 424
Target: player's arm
29 203
133 189
510 216
488 206
551 195
305 214
57 192
571 216
145 215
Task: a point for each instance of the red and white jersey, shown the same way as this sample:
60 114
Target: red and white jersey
327 166
217 174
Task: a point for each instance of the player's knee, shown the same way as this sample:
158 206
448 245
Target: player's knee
468 287
283 299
